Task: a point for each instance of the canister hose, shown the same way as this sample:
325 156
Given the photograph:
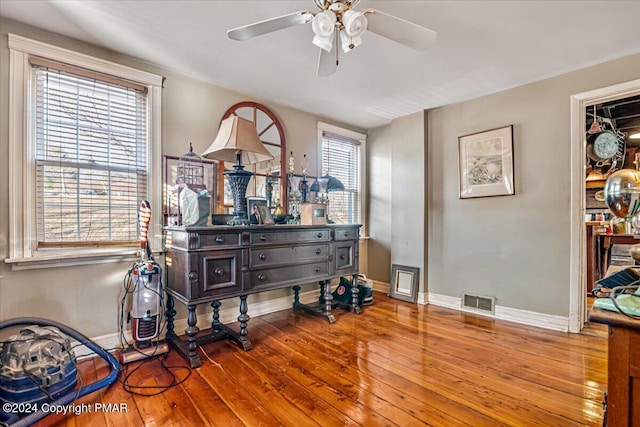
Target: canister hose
69 397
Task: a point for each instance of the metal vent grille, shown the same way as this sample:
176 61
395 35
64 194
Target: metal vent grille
477 302
147 329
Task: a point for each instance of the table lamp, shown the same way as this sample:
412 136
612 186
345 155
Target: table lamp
238 141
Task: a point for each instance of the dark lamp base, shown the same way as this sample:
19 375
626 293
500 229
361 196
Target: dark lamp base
238 181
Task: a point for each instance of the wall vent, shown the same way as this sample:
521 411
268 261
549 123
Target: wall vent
479 303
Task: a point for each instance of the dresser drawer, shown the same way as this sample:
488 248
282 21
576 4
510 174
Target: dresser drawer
217 275
296 274
287 255
271 237
345 233
217 240
345 259
204 275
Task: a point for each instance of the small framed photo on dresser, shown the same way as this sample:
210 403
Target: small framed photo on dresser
265 214
253 213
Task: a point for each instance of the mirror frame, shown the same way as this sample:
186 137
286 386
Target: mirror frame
220 205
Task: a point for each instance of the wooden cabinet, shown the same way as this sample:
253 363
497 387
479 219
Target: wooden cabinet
209 264
623 393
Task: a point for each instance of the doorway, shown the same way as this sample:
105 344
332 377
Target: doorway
579 104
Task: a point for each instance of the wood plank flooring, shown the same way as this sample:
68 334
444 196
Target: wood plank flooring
396 364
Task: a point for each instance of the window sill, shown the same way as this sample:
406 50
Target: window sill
57 258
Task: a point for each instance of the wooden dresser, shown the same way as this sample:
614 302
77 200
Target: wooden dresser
209 264
623 394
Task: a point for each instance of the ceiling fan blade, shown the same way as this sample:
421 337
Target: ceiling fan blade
327 62
399 30
270 25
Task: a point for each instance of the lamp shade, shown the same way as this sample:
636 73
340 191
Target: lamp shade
333 184
237 136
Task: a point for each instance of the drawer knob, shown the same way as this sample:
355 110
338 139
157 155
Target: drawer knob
342 257
218 272
317 269
262 277
263 238
318 251
219 239
262 256
346 234
319 235
193 276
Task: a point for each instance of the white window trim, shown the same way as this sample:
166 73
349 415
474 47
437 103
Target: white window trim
22 198
362 138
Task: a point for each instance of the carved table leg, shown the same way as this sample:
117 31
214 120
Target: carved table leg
243 318
296 295
191 331
215 323
328 298
355 308
171 314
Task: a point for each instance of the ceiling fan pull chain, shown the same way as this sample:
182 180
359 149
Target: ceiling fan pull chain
337 49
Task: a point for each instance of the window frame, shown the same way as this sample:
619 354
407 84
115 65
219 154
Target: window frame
23 251
362 140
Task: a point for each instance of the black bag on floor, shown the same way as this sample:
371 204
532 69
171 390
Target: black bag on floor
342 294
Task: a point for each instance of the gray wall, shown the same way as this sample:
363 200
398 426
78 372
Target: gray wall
87 297
379 149
515 248
397 196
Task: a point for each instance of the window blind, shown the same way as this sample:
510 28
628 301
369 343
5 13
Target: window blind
341 159
91 158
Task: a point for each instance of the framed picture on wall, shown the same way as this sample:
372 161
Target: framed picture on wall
486 163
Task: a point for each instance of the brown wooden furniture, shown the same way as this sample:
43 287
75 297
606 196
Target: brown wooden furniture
210 264
593 260
623 396
607 240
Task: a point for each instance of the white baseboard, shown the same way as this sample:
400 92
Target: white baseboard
229 315
531 318
381 286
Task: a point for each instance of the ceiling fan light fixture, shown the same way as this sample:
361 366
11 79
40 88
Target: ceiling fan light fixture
338 20
323 26
324 23
325 43
354 22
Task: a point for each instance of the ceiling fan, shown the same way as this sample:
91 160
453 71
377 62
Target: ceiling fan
337 23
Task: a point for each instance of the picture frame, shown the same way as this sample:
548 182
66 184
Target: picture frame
265 214
255 201
485 161
404 282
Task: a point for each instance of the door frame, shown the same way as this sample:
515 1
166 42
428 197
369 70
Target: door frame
577 276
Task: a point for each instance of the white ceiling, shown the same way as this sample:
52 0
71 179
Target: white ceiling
482 47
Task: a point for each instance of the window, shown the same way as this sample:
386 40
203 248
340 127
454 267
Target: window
84 150
341 156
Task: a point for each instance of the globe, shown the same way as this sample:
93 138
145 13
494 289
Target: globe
622 193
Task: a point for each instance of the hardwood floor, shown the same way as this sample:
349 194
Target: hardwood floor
396 364
595 329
